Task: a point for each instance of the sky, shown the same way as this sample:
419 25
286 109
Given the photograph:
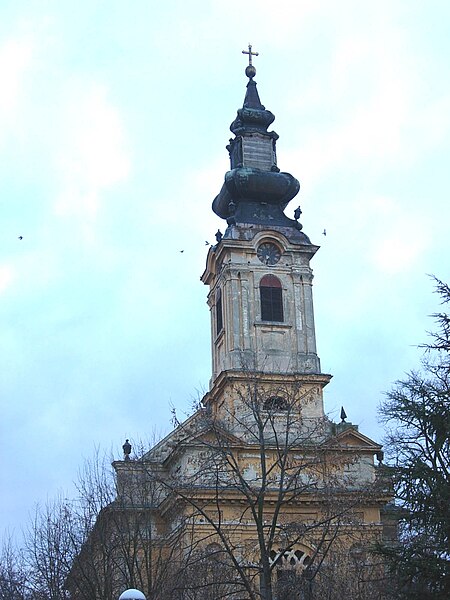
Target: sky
114 119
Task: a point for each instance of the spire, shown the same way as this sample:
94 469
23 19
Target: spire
255 192
253 116
251 97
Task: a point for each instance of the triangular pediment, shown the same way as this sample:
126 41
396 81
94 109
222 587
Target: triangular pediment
212 435
186 430
350 437
195 431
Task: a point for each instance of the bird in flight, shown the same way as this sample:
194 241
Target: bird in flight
324 232
20 237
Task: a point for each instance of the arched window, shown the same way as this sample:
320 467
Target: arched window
271 295
219 318
296 559
275 404
213 550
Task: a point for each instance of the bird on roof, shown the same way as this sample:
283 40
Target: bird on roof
297 213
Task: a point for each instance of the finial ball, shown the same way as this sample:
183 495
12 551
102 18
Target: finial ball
250 71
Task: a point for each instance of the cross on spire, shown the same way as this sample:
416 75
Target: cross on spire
250 54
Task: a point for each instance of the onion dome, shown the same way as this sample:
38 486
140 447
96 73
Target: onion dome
254 190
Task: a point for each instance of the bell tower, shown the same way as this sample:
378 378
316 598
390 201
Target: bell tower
259 274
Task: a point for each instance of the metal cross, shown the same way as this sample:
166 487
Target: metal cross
250 54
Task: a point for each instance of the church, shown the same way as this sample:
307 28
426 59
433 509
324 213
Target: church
258 494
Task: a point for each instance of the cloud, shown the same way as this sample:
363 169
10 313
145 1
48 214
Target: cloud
6 277
432 123
93 156
401 238
15 59
398 252
370 107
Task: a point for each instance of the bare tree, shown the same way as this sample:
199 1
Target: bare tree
267 478
93 546
252 498
355 574
49 549
13 576
117 549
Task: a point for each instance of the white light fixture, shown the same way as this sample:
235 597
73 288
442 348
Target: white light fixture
132 595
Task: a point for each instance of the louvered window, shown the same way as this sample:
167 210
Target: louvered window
275 404
271 295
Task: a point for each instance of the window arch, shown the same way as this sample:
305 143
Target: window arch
275 404
271 295
290 559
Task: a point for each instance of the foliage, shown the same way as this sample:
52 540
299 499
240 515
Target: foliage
84 548
417 413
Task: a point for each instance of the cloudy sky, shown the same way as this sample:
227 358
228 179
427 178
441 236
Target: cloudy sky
114 118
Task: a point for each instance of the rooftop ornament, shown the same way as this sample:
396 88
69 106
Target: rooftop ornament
126 450
250 71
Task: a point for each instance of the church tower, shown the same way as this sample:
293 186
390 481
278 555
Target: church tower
258 273
257 491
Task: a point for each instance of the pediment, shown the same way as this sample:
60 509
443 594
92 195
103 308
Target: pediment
177 436
195 431
211 435
351 438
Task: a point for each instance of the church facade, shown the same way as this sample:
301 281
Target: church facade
258 494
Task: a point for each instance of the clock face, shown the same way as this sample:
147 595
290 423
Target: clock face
268 253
